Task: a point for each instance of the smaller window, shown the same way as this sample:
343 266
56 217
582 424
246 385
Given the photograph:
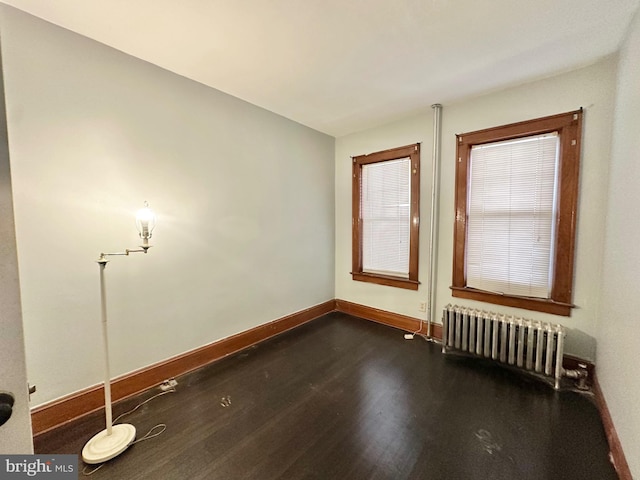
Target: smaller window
386 197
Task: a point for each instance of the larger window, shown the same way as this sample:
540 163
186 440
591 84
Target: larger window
516 200
386 198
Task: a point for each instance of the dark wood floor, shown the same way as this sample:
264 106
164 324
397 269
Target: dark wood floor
344 398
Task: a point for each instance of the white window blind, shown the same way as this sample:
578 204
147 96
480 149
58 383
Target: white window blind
385 209
511 216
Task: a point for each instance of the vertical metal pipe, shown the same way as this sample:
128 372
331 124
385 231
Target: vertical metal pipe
487 335
530 333
445 327
465 330
458 328
480 321
105 339
503 339
494 338
472 331
512 341
433 237
540 339
521 344
549 357
452 325
559 356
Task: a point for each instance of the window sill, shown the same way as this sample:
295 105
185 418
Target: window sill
386 280
528 303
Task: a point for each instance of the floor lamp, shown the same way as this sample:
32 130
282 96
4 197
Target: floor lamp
115 439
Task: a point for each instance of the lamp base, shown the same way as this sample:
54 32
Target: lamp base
103 447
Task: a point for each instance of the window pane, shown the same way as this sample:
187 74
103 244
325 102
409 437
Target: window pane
385 209
510 217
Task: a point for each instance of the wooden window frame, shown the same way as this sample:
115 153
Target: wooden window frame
569 128
410 283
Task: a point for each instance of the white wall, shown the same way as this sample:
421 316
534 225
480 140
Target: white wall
244 199
591 88
618 332
15 434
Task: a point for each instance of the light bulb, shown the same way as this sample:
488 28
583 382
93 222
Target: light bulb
145 222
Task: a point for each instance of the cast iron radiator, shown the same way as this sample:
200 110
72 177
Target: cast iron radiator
528 344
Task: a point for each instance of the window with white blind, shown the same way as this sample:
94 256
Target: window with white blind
385 217
385 206
516 200
511 214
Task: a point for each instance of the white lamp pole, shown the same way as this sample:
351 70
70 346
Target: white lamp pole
115 439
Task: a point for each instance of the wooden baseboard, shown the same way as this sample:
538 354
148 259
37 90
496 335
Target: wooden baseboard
48 416
615 447
403 322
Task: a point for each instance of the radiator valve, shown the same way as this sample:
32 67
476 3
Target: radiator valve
581 374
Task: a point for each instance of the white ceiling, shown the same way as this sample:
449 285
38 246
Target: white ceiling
341 66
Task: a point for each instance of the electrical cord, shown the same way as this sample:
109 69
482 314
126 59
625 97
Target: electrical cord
409 336
172 390
147 436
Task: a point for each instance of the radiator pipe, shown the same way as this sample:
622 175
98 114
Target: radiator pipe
581 374
433 237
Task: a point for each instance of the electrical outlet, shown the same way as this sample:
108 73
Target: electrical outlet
168 384
422 307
